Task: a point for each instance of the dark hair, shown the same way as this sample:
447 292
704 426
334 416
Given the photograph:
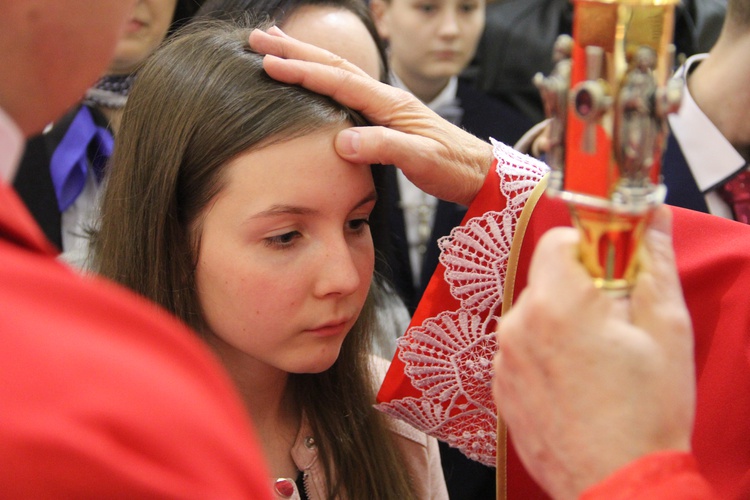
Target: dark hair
201 100
738 14
278 11
184 10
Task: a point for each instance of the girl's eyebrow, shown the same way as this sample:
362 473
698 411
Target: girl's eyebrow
283 209
371 197
276 210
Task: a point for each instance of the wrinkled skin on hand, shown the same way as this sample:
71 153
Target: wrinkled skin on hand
440 158
586 382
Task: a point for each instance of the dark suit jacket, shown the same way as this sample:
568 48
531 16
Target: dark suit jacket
682 190
33 181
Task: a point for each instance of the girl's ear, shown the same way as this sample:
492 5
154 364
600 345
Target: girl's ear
379 9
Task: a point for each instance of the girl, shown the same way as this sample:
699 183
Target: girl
228 205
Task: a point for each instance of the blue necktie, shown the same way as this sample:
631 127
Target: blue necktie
69 164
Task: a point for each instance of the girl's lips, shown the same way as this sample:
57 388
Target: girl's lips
331 329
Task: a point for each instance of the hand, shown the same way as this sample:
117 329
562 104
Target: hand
536 140
437 156
586 382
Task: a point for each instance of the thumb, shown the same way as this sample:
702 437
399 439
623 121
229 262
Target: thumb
659 260
381 145
657 298
422 160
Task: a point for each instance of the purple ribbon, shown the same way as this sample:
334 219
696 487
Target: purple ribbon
70 163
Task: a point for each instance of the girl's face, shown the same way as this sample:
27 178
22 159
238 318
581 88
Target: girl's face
430 39
285 257
144 31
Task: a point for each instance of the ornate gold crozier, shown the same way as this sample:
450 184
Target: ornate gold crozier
607 98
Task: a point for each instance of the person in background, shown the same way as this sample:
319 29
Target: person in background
343 27
61 171
705 163
227 205
103 395
429 45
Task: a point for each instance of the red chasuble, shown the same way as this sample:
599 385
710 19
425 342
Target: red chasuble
440 378
103 394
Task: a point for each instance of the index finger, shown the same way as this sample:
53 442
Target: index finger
556 261
298 63
277 43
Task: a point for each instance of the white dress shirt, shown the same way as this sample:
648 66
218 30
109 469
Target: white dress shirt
710 156
418 206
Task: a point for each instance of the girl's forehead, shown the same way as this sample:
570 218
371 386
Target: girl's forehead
303 170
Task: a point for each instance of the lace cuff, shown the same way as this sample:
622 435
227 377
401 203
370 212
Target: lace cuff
440 379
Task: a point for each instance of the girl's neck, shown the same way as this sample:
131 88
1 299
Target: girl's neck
275 414
277 420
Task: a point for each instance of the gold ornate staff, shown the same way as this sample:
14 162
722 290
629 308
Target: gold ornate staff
608 97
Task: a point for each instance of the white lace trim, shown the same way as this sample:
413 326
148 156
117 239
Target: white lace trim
449 357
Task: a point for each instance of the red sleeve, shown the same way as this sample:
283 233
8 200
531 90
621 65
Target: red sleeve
656 476
103 395
712 259
437 296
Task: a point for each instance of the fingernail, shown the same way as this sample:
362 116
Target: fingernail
347 142
275 30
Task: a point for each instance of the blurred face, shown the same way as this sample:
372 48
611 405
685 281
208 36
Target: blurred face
430 39
286 257
337 30
144 31
53 51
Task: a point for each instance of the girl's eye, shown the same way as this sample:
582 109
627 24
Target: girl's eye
282 241
426 8
358 225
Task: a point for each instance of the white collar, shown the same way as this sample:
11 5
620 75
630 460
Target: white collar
446 96
11 147
712 159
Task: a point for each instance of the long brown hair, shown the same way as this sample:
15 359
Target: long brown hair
201 100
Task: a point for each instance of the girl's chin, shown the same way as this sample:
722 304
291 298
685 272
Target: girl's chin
318 365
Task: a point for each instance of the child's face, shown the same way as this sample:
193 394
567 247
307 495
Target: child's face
286 257
431 39
143 33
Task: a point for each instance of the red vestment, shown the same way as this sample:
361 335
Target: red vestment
103 394
440 377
